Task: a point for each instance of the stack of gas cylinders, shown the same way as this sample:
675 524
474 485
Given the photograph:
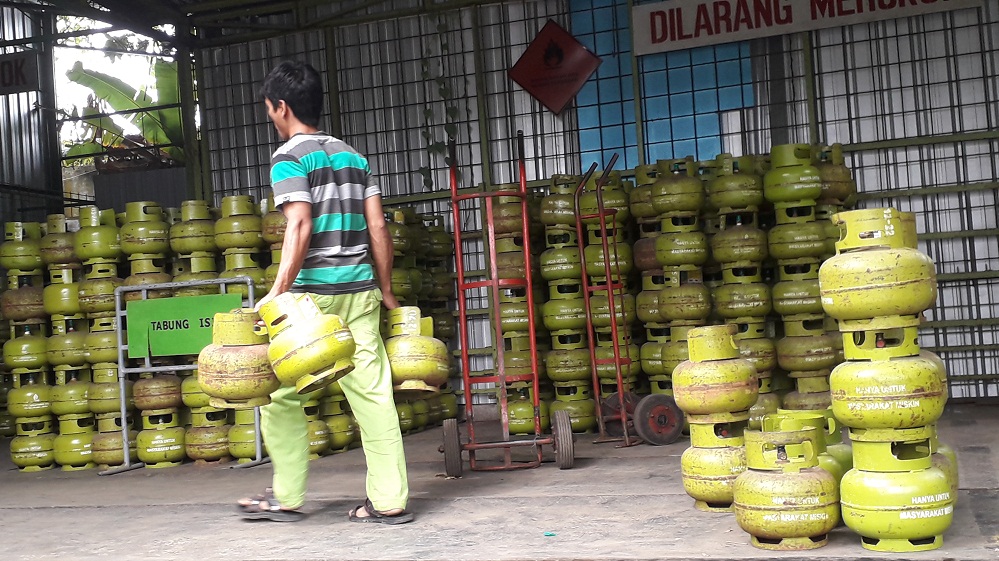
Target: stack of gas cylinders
791 478
900 494
568 364
417 333
60 391
515 335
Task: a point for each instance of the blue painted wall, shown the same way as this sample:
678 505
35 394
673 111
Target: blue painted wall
682 92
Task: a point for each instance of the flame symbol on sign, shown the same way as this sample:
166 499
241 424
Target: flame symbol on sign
553 55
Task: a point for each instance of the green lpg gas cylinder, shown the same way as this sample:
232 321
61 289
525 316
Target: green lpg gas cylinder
561 263
900 392
242 437
897 511
767 402
105 397
95 293
195 233
145 230
613 197
234 370
449 404
618 256
709 475
838 185
811 391
558 207
421 413
567 365
792 177
32 399
676 249
564 314
61 297
520 415
56 246
418 360
755 346
244 263
98 237
33 453
715 379
735 184
677 189
318 432
273 224
21 249
577 400
797 241
784 500
191 393
107 448
67 346
207 444
742 299
70 398
404 410
23 303
647 306
440 244
808 421
102 342
739 242
640 198
624 310
146 272
798 290
806 346
945 459
73 448
160 391
308 349
342 429
240 226
161 442
873 274
27 350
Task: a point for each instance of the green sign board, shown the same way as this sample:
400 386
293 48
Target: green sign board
174 326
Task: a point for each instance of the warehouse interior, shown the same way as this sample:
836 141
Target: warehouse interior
718 289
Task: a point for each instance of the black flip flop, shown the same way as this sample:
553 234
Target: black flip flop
273 512
377 517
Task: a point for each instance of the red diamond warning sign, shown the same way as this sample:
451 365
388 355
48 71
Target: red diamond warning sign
554 67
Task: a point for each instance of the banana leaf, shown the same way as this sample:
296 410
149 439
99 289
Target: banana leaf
83 150
168 93
123 97
101 123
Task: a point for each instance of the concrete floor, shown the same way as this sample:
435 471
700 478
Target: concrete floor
615 504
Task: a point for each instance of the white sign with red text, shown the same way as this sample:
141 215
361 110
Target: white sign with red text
683 24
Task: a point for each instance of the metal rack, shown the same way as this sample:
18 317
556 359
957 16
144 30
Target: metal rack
124 370
561 438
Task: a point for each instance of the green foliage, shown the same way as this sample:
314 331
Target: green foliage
157 126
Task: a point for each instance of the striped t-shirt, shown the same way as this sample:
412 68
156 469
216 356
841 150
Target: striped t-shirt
330 175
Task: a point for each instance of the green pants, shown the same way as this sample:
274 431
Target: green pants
369 391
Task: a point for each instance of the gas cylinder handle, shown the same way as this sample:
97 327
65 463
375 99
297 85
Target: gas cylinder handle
832 423
811 454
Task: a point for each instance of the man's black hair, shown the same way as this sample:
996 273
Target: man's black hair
297 84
